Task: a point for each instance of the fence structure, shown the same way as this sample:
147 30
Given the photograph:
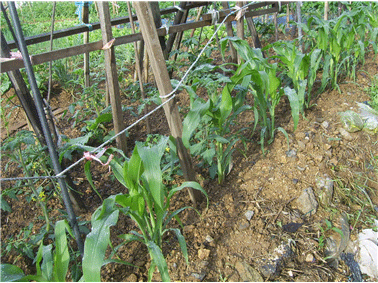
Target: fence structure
152 33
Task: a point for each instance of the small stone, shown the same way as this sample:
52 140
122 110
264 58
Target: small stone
203 254
327 146
247 272
291 153
345 134
325 125
174 265
209 239
309 258
198 276
244 225
204 263
295 181
301 145
132 278
249 214
318 158
333 161
307 203
188 229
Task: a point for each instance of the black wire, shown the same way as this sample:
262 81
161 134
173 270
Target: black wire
9 25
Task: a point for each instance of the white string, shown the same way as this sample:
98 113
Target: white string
179 8
202 51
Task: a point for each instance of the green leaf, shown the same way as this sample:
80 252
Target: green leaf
11 273
182 243
88 174
97 241
61 256
103 118
294 104
47 263
159 260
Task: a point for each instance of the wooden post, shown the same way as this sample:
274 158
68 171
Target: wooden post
326 10
230 33
240 27
197 19
139 70
255 37
148 29
23 93
111 75
178 20
287 15
275 26
86 40
157 19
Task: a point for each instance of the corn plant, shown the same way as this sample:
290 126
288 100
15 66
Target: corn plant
300 68
209 124
261 78
147 203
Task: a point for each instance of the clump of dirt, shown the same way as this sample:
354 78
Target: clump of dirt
254 213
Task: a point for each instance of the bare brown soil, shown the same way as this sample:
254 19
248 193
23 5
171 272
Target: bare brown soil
222 237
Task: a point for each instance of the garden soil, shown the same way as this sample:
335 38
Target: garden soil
251 216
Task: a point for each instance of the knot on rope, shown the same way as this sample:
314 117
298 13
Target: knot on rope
214 16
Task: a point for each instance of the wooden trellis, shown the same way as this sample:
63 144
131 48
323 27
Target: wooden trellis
157 51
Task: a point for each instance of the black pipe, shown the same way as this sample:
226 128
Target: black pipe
46 130
9 25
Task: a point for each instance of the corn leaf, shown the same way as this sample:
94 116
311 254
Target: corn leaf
61 255
158 260
294 104
11 273
97 241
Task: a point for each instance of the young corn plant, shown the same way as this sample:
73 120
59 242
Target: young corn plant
300 68
262 81
209 124
146 203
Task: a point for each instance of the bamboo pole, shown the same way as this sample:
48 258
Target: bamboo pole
86 40
240 27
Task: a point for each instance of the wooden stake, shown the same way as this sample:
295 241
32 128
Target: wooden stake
240 27
197 19
251 26
326 10
111 74
159 68
86 40
230 33
139 71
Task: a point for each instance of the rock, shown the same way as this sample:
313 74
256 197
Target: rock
291 153
295 181
318 158
248 214
188 229
345 134
209 239
243 225
325 125
271 267
132 278
247 272
325 189
203 254
198 276
301 145
309 258
335 244
307 203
